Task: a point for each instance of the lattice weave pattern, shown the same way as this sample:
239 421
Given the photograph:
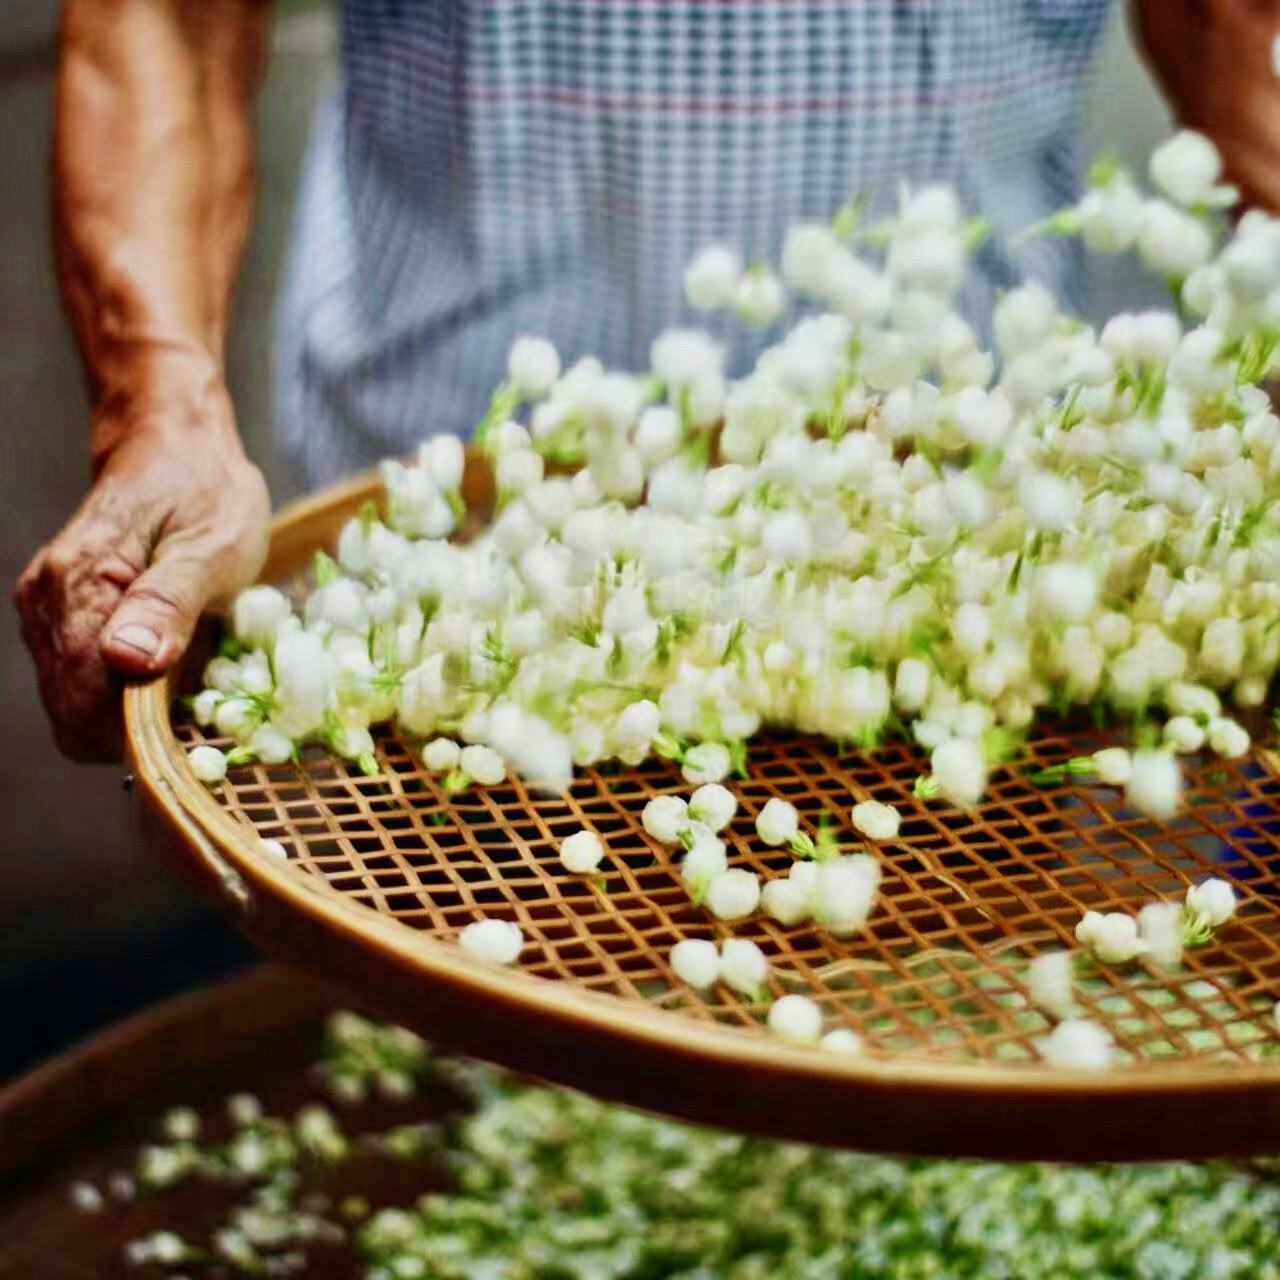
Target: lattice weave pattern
967 897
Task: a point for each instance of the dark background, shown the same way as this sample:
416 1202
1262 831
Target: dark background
90 925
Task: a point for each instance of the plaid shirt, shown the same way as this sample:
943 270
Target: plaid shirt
497 167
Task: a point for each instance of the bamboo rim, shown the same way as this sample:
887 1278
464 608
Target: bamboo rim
651 1057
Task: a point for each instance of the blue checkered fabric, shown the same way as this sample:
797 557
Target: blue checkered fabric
497 167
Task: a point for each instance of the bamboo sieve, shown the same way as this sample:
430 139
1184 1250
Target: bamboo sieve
384 871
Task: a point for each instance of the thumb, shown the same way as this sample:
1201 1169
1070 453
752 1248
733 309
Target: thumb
153 624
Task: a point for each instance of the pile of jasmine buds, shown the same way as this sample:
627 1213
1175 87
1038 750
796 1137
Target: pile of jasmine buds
895 532
552 1182
881 529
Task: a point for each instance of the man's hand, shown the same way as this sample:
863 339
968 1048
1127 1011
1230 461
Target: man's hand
1213 60
152 196
176 521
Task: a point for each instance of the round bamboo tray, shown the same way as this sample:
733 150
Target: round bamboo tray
84 1115
383 871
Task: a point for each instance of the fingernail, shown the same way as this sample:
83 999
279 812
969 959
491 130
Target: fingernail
141 639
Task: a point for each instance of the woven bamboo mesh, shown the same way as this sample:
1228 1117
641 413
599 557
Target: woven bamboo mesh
967 897
936 981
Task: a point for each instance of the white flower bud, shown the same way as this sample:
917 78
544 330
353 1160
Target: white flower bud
1222 648
876 821
257 613
1195 366
1088 928
657 434
351 742
696 962
236 717
638 724
1113 938
167 1248
1067 592
911 684
304 682
627 610
971 628
1113 765
340 604
205 704
707 762
960 771
483 765
1250 691
777 822
675 488
760 298
87 1198
1195 700
582 852
844 893
1049 502
1050 980
506 436
711 279
208 764
533 365
842 1040
713 805
443 458
723 486
807 256
1024 318
983 418
1228 738
930 261
255 672
1160 926
244 1110
796 1018
666 818
618 472
1187 168
685 357
1172 243
269 745
1111 217
785 900
1078 1045
492 941
1183 735
733 894
222 675
1213 901
743 966
518 470
785 537
1155 784
704 863
704 401
442 754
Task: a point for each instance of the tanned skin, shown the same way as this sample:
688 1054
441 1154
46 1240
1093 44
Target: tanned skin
1213 61
153 185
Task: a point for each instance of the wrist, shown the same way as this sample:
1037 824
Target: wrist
161 387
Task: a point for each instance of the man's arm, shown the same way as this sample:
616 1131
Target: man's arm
1213 60
153 190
